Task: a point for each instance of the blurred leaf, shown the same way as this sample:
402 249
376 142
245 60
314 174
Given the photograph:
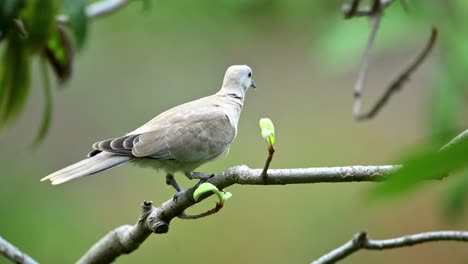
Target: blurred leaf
14 80
447 98
9 10
76 12
38 18
147 5
429 163
48 105
457 196
445 104
59 53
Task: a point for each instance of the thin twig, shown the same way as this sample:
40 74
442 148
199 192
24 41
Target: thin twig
362 76
462 136
271 152
398 83
352 10
14 254
361 241
212 211
99 9
375 13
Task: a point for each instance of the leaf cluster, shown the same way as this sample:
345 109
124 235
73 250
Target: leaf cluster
29 29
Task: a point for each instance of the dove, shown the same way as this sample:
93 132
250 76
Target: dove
178 140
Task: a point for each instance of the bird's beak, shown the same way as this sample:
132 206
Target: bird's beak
252 84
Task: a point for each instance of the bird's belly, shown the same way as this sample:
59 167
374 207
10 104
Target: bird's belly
168 166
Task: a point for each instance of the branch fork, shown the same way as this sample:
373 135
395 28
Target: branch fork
361 241
375 14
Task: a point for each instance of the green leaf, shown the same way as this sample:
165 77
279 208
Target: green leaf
14 80
147 5
426 164
48 105
268 130
59 53
457 196
76 13
39 19
208 187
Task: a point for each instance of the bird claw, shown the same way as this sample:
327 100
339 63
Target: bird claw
198 175
177 195
201 181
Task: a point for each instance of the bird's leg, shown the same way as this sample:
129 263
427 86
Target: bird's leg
170 180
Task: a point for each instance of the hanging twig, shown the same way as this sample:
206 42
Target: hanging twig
398 83
375 13
363 70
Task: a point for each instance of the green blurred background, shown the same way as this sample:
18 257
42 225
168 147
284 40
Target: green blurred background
305 58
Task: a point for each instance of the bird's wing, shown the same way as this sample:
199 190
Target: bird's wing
124 145
198 138
189 132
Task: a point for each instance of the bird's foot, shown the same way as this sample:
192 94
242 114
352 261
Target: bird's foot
177 195
198 175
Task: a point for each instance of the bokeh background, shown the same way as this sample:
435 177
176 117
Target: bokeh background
139 62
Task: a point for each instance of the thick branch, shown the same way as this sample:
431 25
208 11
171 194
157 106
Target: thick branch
125 239
99 9
14 254
361 241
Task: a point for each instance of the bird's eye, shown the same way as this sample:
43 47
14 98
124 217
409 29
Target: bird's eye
250 74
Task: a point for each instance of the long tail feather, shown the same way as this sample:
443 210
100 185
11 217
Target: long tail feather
100 162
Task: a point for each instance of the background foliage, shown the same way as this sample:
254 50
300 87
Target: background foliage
135 64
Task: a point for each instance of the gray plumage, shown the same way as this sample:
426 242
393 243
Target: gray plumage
177 140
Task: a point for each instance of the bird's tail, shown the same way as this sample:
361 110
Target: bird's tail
100 162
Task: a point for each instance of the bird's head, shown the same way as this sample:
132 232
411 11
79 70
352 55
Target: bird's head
238 77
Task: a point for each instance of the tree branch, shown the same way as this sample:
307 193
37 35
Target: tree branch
361 241
125 239
14 254
99 9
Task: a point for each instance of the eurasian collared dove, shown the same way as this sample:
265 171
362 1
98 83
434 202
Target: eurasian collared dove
177 140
